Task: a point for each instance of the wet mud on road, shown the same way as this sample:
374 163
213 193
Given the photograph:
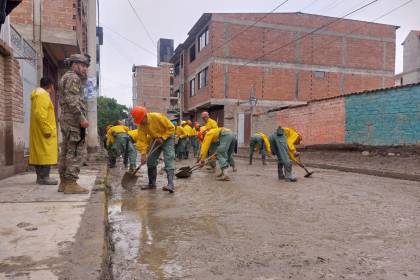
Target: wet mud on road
335 225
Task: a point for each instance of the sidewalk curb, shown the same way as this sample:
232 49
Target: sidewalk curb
386 174
90 255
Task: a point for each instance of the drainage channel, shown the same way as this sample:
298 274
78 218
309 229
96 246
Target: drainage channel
138 245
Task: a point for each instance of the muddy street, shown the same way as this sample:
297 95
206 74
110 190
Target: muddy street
335 225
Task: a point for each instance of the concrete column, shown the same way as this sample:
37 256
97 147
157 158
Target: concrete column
37 36
92 136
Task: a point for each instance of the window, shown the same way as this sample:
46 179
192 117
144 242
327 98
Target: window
192 87
176 69
181 60
192 53
203 40
319 74
202 78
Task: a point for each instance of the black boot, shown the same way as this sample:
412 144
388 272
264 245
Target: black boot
44 176
152 175
170 175
112 162
250 161
280 171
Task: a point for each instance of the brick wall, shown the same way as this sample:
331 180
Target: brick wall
382 117
55 13
390 117
153 84
319 122
11 114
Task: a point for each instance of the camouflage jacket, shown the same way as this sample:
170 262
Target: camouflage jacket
71 97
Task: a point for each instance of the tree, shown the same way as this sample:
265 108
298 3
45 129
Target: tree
109 111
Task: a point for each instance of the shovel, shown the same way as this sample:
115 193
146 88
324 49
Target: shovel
186 171
129 179
308 173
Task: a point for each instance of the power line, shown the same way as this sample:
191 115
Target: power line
332 5
309 5
128 40
316 30
305 35
252 25
374 20
142 23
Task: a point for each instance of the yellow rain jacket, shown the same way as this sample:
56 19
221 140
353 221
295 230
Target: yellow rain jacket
194 131
211 124
42 150
134 135
188 129
266 142
211 137
115 129
180 132
292 136
157 126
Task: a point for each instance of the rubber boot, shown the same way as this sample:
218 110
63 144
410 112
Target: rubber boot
152 175
170 175
224 176
44 176
132 168
72 187
112 162
38 173
280 172
47 181
250 161
187 155
264 162
289 174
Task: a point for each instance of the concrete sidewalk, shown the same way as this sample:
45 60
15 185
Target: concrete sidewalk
41 229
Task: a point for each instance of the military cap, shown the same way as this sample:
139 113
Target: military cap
85 59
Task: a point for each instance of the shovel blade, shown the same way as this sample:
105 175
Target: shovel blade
307 175
185 168
128 180
183 174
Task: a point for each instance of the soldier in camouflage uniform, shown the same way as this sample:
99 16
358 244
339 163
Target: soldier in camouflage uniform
73 122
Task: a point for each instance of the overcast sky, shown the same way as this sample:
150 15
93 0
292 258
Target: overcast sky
173 19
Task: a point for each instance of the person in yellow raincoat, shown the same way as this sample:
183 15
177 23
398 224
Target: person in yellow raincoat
209 123
219 141
186 125
181 137
120 143
157 129
259 141
43 146
283 146
293 138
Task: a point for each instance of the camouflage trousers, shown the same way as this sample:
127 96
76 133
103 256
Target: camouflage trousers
72 152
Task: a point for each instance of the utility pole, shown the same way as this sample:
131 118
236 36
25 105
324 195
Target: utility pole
92 136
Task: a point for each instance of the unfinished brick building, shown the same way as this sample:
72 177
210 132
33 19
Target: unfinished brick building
56 29
152 87
229 59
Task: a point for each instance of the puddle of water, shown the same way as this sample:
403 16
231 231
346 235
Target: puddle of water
150 227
